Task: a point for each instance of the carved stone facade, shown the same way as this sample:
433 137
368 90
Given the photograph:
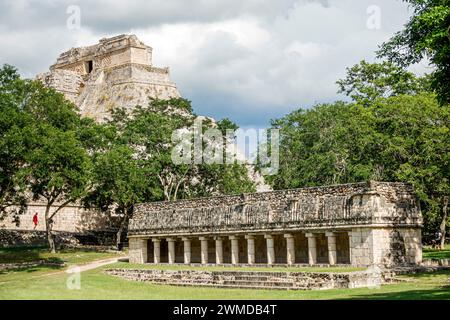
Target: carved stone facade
116 72
359 224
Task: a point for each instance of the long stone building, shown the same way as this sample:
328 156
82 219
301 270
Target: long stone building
357 224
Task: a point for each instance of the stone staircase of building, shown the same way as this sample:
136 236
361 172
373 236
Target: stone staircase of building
249 279
265 280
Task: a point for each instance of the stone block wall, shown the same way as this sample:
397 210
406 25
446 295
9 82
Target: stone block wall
126 86
73 218
108 52
32 238
65 81
385 246
360 244
137 250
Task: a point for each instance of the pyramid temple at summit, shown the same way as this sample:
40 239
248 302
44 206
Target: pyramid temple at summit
116 72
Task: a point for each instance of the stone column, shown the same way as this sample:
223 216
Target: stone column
219 250
171 247
187 250
332 252
312 249
250 248
350 245
234 249
290 248
156 250
204 249
270 249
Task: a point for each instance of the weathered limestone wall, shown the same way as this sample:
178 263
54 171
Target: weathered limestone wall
386 246
27 238
137 250
64 81
108 52
126 86
72 218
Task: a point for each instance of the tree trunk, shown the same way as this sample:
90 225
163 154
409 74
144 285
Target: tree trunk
121 227
443 226
48 230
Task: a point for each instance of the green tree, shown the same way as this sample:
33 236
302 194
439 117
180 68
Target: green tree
416 133
42 156
425 35
59 168
366 82
119 184
133 161
14 124
400 138
149 132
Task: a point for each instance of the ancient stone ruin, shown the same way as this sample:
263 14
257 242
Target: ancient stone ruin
358 224
116 72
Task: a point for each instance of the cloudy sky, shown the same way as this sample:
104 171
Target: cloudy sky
248 60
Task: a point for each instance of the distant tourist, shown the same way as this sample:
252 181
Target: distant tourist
436 242
35 220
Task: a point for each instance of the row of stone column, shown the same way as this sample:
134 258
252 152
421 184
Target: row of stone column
290 248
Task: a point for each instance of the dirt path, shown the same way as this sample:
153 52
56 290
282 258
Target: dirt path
93 265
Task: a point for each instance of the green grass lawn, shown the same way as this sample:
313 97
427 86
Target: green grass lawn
68 256
48 283
51 283
429 253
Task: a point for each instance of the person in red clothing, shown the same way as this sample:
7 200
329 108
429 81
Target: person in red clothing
35 220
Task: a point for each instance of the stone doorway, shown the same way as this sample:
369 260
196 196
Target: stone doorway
226 247
164 253
150 251
89 66
343 248
301 248
196 251
179 251
280 248
260 249
322 248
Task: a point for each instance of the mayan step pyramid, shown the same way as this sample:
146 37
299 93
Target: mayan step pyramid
116 72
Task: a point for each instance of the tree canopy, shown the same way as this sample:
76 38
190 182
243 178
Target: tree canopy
425 35
138 166
43 157
52 155
366 82
400 138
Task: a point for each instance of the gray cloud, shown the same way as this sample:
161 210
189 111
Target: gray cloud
117 15
247 60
